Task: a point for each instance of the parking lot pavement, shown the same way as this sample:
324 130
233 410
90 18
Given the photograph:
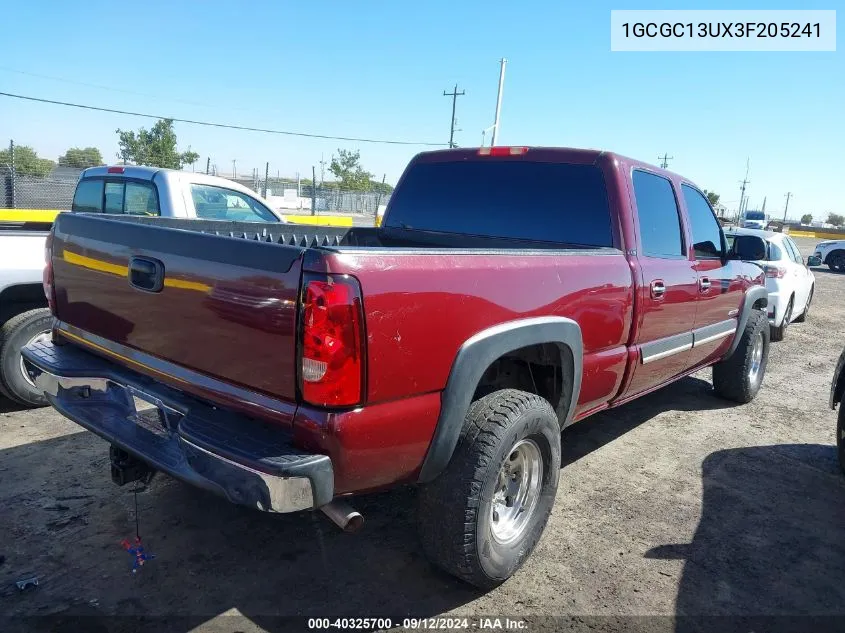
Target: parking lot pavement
678 503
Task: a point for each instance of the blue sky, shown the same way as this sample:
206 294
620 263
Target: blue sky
378 69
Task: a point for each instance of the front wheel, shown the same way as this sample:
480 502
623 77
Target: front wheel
836 260
481 518
740 376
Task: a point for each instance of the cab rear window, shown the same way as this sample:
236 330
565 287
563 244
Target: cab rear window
131 197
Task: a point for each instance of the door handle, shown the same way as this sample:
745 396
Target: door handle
704 284
658 289
146 274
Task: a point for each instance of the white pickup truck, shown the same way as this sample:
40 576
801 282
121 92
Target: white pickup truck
132 190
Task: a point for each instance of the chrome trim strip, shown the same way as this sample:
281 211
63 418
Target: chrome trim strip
714 337
714 332
661 348
669 352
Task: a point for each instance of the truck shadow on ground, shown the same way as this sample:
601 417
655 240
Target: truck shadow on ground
770 542
688 394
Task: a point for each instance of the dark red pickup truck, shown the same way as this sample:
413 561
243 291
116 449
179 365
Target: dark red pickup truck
508 293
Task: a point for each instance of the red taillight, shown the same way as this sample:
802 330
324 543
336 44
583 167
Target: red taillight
332 342
502 151
775 272
116 170
47 274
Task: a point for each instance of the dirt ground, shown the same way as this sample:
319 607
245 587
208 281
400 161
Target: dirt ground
679 504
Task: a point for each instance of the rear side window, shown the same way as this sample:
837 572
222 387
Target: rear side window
88 197
706 234
511 199
657 210
219 203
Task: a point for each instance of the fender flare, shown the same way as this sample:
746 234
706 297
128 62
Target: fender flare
473 359
837 386
752 296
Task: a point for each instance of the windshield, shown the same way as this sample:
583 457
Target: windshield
524 200
755 215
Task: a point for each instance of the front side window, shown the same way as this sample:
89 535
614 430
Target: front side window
657 210
706 233
794 253
219 203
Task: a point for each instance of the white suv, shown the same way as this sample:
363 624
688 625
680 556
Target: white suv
832 253
789 280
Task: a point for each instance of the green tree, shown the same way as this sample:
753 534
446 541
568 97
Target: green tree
346 168
155 147
27 162
712 196
806 218
835 219
380 187
79 157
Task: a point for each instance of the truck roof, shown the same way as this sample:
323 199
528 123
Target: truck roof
545 153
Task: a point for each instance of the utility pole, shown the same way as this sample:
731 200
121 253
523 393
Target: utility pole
664 160
502 63
454 94
788 196
322 169
12 170
313 190
266 176
233 168
207 165
743 183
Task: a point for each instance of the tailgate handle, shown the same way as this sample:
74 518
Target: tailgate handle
146 274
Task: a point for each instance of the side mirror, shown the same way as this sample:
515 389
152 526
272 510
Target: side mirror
748 247
813 260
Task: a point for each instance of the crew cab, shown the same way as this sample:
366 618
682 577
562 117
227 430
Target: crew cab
508 293
169 193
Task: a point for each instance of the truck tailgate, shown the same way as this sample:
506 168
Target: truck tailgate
226 306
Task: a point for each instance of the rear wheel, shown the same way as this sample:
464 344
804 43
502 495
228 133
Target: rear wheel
16 333
481 518
836 260
740 376
806 312
779 332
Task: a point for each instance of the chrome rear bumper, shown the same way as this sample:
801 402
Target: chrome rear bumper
248 462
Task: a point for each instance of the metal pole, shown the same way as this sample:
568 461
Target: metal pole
313 190
788 196
266 177
207 165
12 167
233 168
502 63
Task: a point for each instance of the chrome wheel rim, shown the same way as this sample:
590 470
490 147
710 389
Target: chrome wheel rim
38 338
517 491
756 358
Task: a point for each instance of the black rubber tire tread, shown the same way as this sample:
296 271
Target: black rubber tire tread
730 376
448 506
840 436
778 333
836 260
806 312
11 382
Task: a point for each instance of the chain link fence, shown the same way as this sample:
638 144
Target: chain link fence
56 189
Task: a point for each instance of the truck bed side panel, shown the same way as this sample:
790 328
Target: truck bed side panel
418 317
232 322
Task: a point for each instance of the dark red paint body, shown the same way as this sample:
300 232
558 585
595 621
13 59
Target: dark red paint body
238 325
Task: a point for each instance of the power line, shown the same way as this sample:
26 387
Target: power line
221 125
454 94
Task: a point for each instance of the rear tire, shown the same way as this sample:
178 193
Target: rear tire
778 333
740 376
806 312
14 335
508 458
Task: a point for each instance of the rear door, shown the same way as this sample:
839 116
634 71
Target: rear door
719 291
669 284
800 275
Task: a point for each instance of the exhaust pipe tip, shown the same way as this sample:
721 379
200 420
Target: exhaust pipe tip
344 516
